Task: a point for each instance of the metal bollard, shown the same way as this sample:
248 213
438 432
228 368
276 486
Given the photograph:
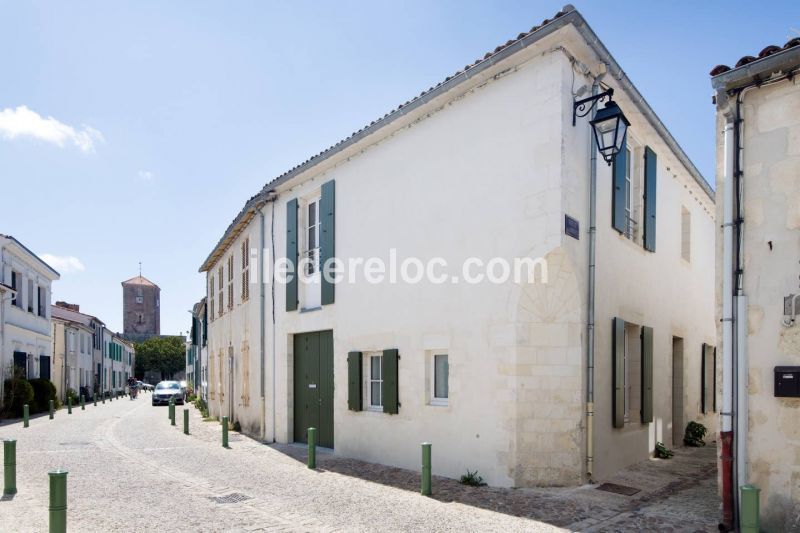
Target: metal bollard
69 405
224 431
312 448
426 469
52 409
94 399
9 466
58 501
25 416
171 412
185 421
83 403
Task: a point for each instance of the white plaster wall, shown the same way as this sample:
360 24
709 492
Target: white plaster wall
771 165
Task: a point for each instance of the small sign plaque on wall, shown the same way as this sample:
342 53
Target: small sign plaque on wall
572 227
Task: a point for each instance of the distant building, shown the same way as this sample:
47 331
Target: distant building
25 328
77 349
141 311
196 350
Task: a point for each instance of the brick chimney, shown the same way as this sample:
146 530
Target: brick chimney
71 307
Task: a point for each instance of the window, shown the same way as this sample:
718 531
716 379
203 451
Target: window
139 299
440 379
633 371
230 282
16 282
42 294
686 234
221 301
245 269
139 318
629 193
312 237
30 295
375 389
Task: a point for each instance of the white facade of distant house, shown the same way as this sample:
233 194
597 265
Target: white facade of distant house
118 360
26 327
494 375
72 356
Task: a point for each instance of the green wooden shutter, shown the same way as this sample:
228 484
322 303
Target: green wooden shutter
714 382
327 206
354 366
704 378
619 218
390 397
647 374
291 254
618 372
650 164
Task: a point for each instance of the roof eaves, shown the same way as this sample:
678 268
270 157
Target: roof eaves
783 61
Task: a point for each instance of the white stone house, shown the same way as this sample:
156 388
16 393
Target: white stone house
26 327
118 362
758 206
77 343
485 165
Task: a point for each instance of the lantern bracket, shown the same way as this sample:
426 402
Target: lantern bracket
581 108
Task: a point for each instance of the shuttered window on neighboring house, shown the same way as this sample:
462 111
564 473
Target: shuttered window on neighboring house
230 281
618 372
708 363
354 362
391 403
327 247
620 190
211 297
245 269
221 295
624 376
291 255
647 374
245 374
650 185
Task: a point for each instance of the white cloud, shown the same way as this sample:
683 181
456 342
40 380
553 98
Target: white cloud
23 122
146 175
64 263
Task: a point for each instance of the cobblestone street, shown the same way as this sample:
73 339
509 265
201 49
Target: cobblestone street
129 469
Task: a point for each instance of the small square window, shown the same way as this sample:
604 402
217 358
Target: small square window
440 379
375 389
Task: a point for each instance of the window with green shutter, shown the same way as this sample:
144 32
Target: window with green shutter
647 374
650 183
354 362
620 188
327 207
618 372
391 403
291 255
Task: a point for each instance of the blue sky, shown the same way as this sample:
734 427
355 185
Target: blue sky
167 116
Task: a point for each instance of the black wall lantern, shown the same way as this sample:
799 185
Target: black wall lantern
609 124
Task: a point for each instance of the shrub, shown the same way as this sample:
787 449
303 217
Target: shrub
18 392
43 392
472 479
201 406
74 395
693 436
662 452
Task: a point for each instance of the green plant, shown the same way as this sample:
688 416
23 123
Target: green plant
201 406
662 452
693 436
236 426
74 395
43 392
472 479
18 392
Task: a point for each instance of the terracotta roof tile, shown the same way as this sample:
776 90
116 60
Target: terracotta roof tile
766 52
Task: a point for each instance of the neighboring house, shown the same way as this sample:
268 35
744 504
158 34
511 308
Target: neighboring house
85 366
26 326
196 350
758 183
516 380
119 359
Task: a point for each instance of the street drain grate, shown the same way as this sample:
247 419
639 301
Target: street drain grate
618 489
233 497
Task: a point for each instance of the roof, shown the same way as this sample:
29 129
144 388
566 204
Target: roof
36 257
73 316
751 69
139 280
567 15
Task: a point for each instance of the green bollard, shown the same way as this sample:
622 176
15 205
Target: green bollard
185 421
94 399
69 405
83 403
224 431
748 504
25 416
426 469
58 501
171 412
312 448
9 466
52 409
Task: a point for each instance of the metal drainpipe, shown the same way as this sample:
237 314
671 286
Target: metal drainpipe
590 300
260 277
272 290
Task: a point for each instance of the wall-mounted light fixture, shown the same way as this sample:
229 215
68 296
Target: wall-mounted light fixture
609 123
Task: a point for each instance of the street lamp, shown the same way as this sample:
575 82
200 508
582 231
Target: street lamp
609 124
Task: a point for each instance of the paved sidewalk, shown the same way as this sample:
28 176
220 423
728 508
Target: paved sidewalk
129 469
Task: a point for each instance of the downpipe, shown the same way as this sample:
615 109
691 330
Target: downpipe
262 417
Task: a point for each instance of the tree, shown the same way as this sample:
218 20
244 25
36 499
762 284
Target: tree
165 355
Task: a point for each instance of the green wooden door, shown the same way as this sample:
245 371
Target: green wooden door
313 386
